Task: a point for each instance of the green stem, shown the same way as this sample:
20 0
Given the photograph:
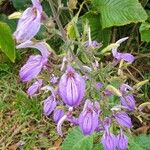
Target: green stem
57 21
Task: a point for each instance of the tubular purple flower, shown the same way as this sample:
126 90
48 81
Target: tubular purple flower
49 105
122 141
108 140
127 101
88 119
122 56
41 46
71 87
29 23
58 114
32 67
34 87
123 119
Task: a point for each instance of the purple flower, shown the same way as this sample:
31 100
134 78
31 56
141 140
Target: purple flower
122 141
99 85
71 87
32 67
41 46
122 56
35 63
49 105
108 140
54 79
123 119
58 114
34 87
88 119
127 101
29 23
92 44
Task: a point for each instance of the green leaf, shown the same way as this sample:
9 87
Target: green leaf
21 4
141 142
145 31
97 33
6 41
77 141
119 12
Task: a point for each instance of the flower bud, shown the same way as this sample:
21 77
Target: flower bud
34 87
128 101
123 119
71 87
108 140
58 114
122 141
32 67
49 105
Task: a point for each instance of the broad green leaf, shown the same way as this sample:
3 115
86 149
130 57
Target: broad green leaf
12 23
6 41
97 33
145 31
141 142
119 12
77 141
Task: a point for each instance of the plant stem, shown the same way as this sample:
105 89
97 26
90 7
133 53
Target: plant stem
57 21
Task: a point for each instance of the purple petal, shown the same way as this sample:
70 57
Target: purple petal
125 88
49 105
34 87
41 46
123 119
58 114
71 87
122 141
127 57
32 68
28 25
128 101
37 4
109 141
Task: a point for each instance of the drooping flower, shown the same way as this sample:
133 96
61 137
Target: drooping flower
123 119
34 87
71 87
29 23
127 100
32 67
88 119
49 105
35 63
58 114
41 46
122 141
108 140
122 56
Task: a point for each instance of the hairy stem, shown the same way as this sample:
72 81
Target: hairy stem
57 20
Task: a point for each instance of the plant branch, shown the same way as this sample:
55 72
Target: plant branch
57 20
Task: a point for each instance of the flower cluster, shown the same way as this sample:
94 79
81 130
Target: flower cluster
69 92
